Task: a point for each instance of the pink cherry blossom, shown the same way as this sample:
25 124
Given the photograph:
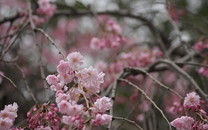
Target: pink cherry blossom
64 106
101 119
64 78
90 78
63 67
183 123
52 79
101 105
75 59
5 123
192 100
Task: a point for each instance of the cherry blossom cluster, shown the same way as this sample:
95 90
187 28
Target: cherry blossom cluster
77 93
111 37
43 117
7 116
196 118
137 57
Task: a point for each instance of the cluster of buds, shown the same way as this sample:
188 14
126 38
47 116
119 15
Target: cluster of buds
7 116
43 116
196 118
77 93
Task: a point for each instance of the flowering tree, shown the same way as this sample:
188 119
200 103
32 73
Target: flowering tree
90 65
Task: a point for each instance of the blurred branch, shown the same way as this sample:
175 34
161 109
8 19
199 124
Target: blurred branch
129 121
50 39
26 83
142 91
187 76
10 19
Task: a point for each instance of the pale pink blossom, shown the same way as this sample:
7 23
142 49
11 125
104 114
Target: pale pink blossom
73 121
90 78
56 87
70 108
101 105
64 106
5 123
63 67
192 100
75 59
52 79
65 78
61 96
183 123
101 119
10 111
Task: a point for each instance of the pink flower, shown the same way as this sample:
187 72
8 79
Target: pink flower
61 96
183 123
73 121
64 106
63 67
75 59
101 119
5 123
56 87
52 79
90 78
10 111
101 105
64 78
70 109
192 100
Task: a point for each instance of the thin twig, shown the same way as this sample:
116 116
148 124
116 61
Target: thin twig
187 76
26 83
50 39
113 95
158 82
8 80
129 121
142 91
